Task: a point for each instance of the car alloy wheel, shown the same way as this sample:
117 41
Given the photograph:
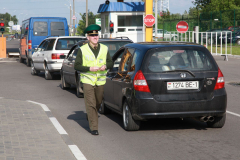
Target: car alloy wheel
48 75
129 123
33 70
103 109
79 94
238 42
64 85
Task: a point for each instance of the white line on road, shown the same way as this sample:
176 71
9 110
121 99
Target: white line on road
44 107
77 153
75 150
57 125
235 114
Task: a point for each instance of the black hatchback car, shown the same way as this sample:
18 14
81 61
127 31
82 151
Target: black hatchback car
69 76
165 80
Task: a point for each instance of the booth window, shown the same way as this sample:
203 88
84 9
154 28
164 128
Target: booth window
106 24
130 20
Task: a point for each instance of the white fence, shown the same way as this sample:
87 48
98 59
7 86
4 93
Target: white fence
216 42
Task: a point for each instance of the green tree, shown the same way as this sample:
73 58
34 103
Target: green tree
82 23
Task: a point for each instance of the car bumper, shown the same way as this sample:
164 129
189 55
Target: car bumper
54 66
148 108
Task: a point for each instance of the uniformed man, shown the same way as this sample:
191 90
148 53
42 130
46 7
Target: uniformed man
93 60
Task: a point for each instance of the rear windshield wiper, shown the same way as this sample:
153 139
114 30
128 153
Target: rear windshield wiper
181 70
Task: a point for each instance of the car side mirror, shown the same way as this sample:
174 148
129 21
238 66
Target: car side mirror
35 49
62 56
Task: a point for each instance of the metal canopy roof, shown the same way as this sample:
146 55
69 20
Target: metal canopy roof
122 7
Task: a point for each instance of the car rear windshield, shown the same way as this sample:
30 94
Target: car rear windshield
179 59
113 46
67 43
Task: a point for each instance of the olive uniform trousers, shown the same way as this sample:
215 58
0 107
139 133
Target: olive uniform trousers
93 96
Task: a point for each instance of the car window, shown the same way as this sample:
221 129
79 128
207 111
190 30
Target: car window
50 44
45 45
57 29
186 59
134 60
126 60
66 43
40 29
113 46
41 45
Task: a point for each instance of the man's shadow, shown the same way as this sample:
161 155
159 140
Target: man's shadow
80 118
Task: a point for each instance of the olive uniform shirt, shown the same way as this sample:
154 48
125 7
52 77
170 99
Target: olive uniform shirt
78 61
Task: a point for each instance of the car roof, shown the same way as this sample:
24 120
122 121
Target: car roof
107 39
150 45
66 37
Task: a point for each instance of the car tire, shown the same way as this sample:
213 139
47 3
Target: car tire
128 122
103 109
79 94
209 41
238 42
218 122
175 38
64 85
48 74
28 62
20 59
33 70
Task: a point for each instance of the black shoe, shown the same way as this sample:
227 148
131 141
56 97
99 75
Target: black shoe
94 132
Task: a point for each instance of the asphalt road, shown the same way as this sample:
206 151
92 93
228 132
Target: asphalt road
163 139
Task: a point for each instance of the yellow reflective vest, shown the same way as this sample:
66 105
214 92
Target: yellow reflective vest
88 59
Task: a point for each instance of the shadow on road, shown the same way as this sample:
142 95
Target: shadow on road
163 124
80 118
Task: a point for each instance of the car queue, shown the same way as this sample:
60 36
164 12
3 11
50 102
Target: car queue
149 80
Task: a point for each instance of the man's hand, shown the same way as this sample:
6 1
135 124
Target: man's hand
94 69
103 67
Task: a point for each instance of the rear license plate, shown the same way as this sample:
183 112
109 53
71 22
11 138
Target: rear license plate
182 85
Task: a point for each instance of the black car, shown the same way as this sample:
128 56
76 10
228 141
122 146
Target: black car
165 80
69 76
234 36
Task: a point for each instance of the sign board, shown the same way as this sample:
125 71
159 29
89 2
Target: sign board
98 21
149 20
73 17
10 23
16 27
182 27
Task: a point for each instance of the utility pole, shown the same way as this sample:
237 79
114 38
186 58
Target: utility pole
70 18
86 13
148 30
156 20
74 18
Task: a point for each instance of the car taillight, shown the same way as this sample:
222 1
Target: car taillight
140 83
220 80
56 55
29 44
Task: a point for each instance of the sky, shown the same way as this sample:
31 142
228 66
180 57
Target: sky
24 9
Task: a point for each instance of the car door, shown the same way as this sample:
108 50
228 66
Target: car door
36 58
121 80
71 65
108 87
42 54
65 67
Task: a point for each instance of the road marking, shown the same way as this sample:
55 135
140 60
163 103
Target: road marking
57 125
7 61
44 107
235 114
77 153
74 149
